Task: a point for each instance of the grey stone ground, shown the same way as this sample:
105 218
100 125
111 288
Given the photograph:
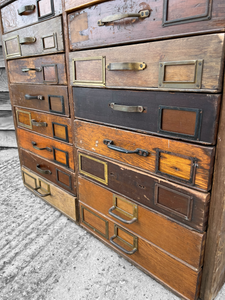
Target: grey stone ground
45 256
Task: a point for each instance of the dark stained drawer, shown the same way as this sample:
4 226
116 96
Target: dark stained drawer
184 116
173 273
53 150
38 70
185 163
50 171
178 202
49 125
53 99
42 38
22 13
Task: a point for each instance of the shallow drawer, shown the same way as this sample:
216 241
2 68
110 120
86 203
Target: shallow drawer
42 38
178 202
71 4
178 161
23 13
114 22
38 70
183 243
158 263
55 127
53 150
58 198
193 64
53 99
184 116
50 171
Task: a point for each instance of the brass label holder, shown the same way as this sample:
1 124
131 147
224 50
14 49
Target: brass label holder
55 43
16 54
18 111
120 210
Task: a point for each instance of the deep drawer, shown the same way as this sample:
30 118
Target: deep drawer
184 116
53 150
53 99
109 23
42 38
193 64
58 198
185 163
55 127
21 13
173 273
38 70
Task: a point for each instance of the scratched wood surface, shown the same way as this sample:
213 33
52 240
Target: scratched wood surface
71 4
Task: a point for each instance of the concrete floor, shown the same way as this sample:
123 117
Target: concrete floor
45 256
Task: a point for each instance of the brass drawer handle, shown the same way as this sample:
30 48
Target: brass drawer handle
39 124
119 218
42 171
35 147
120 247
126 66
30 97
31 69
25 9
39 194
27 40
125 108
142 14
110 145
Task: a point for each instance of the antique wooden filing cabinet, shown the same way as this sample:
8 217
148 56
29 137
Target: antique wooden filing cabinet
120 116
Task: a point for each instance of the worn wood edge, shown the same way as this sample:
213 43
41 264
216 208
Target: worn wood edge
5 2
35 55
84 5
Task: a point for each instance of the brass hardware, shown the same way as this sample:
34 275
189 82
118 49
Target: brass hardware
39 124
56 81
195 84
42 171
35 147
31 69
5 47
27 40
25 9
22 124
89 82
37 187
30 97
55 45
125 108
135 240
26 183
104 181
48 192
110 145
126 66
142 14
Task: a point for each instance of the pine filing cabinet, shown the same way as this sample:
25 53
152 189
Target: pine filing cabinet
119 109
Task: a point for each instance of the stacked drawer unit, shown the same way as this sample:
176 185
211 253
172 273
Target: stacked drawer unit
34 51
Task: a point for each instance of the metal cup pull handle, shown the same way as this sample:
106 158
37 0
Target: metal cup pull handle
126 108
32 69
142 14
120 247
30 97
39 124
126 66
38 168
37 148
27 40
39 194
23 10
138 151
119 218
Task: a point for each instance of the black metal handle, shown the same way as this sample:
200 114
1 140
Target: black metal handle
119 218
39 194
30 97
39 124
120 247
110 145
35 147
42 171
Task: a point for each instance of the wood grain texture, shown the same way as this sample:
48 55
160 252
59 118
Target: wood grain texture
71 4
174 158
157 263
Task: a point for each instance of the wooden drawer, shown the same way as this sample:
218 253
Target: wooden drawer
185 163
176 275
42 38
193 64
58 198
178 202
108 23
38 70
50 171
53 150
53 99
18 14
55 127
184 116
183 243
71 4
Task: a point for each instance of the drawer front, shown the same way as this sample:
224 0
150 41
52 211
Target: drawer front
50 171
42 38
185 244
109 22
173 273
194 64
53 150
55 127
180 203
185 163
71 4
58 198
181 115
20 13
52 99
38 70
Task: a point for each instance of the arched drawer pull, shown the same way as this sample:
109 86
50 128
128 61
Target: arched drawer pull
120 247
39 124
126 66
27 40
138 151
126 108
37 148
30 97
26 9
31 69
39 194
42 171
119 218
